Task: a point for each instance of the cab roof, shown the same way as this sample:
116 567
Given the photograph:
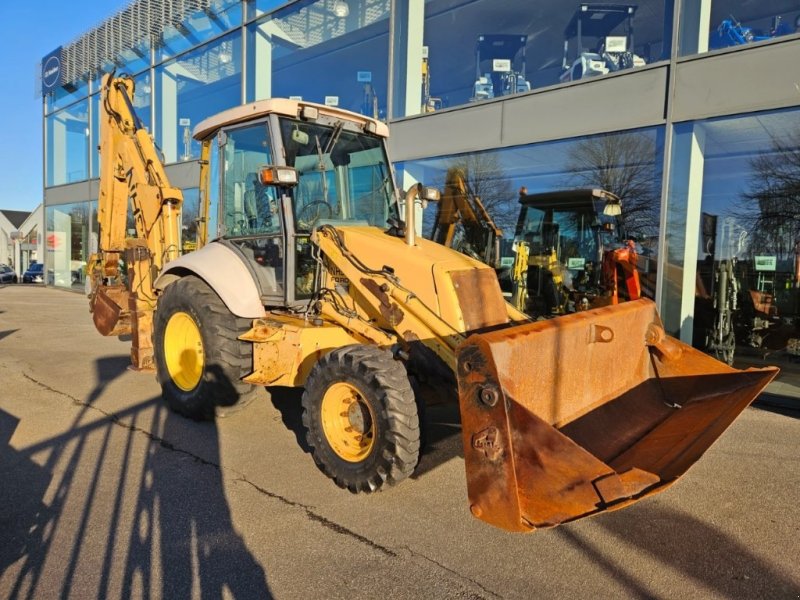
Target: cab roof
567 199
281 106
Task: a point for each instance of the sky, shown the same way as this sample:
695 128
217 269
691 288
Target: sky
31 29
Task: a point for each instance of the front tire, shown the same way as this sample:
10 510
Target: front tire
200 361
361 417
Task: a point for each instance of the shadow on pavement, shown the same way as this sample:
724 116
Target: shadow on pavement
4 334
23 484
701 553
783 405
287 401
182 512
179 539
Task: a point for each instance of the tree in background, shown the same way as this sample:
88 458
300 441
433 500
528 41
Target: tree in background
770 210
486 179
625 165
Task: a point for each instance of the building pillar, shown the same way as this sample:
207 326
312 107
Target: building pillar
683 230
168 123
261 65
695 25
407 84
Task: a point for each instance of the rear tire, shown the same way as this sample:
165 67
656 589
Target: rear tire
361 417
200 361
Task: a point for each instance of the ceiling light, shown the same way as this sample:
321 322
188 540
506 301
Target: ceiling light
341 9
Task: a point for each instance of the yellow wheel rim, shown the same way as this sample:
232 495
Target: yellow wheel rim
348 422
183 351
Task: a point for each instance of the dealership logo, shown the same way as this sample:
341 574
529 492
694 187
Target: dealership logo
51 70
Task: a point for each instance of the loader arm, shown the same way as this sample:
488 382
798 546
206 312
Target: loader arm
131 170
384 303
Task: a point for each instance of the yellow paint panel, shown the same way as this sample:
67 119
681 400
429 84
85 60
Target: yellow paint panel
286 348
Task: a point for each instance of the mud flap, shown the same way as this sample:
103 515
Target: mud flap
569 417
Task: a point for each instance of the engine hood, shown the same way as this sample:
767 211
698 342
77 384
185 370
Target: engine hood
461 290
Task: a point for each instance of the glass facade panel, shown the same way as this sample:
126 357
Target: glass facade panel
474 50
190 214
143 98
199 27
135 60
64 96
628 164
67 154
330 52
742 238
259 7
192 87
94 136
69 242
714 24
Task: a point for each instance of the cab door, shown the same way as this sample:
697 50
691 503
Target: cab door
250 216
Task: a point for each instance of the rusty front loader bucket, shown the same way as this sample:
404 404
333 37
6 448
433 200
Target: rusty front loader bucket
589 412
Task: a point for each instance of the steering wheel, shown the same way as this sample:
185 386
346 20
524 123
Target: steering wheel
313 212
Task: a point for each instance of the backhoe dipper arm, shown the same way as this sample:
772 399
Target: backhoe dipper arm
459 204
130 170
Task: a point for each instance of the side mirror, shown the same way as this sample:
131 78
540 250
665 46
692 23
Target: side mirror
272 175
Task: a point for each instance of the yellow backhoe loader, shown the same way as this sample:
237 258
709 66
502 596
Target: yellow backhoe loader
312 279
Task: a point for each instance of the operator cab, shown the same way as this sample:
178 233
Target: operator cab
273 176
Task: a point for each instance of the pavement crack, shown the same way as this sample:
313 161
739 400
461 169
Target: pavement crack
115 419
311 514
75 400
325 522
456 574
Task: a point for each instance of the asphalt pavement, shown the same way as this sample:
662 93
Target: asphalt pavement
107 494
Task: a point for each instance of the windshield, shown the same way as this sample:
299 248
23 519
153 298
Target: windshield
343 175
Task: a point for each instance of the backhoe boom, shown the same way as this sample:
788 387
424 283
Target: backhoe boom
132 178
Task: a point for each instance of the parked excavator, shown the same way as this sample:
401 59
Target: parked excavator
569 253
306 275
572 253
463 223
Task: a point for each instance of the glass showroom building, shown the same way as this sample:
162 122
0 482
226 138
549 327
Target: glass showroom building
689 110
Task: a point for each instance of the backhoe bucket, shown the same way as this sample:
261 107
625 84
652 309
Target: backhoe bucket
572 416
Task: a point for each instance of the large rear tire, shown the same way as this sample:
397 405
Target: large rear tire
361 416
200 361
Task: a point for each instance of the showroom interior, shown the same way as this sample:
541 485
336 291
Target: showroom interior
685 109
